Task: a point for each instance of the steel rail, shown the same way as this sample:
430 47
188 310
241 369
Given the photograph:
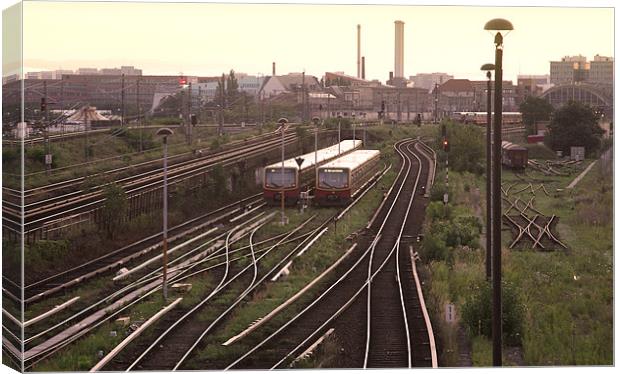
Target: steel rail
322 295
35 358
202 303
190 224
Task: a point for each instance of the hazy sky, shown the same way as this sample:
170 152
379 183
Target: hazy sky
208 39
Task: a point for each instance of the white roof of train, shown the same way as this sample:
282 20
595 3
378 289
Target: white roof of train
352 160
322 155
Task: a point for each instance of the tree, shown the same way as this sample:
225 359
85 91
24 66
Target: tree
114 209
466 144
574 125
232 88
535 109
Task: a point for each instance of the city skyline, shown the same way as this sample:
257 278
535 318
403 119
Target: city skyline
457 45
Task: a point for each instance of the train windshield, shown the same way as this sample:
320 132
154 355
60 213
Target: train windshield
274 178
333 178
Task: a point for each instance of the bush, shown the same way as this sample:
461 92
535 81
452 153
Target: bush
10 155
434 248
41 255
132 138
438 211
463 231
438 190
477 312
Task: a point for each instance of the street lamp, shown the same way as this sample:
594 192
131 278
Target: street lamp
488 68
339 118
282 121
498 26
165 132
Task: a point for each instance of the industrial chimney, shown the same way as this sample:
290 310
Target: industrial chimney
273 69
363 67
399 49
359 52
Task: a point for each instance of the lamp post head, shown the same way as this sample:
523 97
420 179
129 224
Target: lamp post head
498 24
164 131
502 26
316 120
487 67
283 121
339 116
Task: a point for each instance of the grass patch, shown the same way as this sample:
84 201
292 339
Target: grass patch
566 294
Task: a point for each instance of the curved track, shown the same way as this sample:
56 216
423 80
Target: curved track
376 264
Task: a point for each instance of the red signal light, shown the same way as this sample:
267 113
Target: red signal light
182 81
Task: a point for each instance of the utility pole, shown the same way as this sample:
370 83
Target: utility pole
189 114
282 122
138 106
221 116
436 101
122 99
303 96
62 105
46 123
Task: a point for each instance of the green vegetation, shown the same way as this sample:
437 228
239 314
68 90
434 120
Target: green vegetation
477 312
114 211
534 109
466 147
559 303
575 124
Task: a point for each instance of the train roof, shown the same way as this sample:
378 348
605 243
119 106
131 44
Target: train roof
352 160
509 145
322 155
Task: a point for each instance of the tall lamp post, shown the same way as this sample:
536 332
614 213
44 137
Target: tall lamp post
282 121
165 132
498 26
488 68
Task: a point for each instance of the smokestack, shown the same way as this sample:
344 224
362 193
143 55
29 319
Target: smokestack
391 76
399 58
363 67
359 32
273 69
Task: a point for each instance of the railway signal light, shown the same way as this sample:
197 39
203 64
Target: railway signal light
182 81
446 145
194 119
43 104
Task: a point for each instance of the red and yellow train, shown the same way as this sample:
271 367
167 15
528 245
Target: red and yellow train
292 179
339 181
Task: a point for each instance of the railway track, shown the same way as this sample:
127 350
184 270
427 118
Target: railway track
118 301
172 346
39 212
63 281
375 264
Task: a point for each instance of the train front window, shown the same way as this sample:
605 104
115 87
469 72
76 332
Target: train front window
333 178
274 178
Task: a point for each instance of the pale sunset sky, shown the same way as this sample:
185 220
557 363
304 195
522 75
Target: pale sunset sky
208 39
